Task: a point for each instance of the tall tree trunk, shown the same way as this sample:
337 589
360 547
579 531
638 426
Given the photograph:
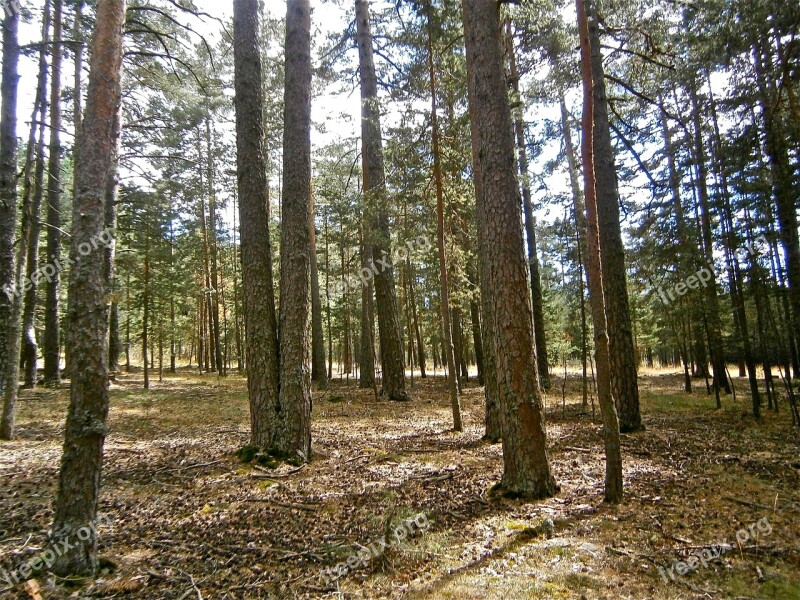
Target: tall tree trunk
8 207
319 372
29 345
421 357
530 225
377 235
87 314
32 199
714 328
580 235
293 433
736 280
146 314
526 465
624 383
475 317
783 190
51 341
328 298
444 290
213 249
110 252
259 297
611 429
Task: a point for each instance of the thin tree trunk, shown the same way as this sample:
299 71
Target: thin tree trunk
720 381
530 225
611 430
29 344
213 250
318 371
366 377
580 242
32 199
444 290
146 313
421 357
87 315
624 382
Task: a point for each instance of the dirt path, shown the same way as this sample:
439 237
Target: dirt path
185 519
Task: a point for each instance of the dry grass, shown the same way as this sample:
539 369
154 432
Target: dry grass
185 513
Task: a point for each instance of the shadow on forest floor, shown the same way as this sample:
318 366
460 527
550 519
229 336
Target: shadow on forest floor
188 520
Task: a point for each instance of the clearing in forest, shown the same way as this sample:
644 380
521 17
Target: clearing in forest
714 494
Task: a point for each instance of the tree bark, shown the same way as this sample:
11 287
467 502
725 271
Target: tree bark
87 313
611 429
8 205
526 465
377 235
258 294
293 434
624 382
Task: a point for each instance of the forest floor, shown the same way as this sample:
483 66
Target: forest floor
712 493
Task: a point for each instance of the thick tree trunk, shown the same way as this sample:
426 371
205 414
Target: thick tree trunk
8 207
259 298
624 383
87 315
377 234
526 465
293 432
613 482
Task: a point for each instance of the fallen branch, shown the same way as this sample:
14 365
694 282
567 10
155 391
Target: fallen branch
747 503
